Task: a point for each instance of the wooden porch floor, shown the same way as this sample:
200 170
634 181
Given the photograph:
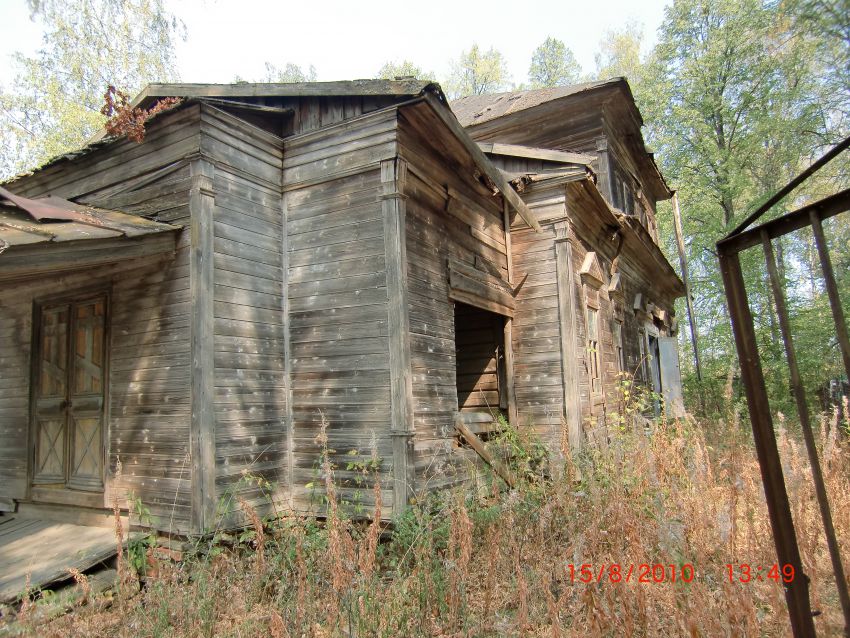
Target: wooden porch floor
45 550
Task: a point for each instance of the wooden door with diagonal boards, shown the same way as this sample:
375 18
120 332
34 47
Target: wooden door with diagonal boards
68 406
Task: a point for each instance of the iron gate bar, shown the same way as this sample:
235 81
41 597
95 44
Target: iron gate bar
832 291
800 218
794 183
806 425
743 327
778 508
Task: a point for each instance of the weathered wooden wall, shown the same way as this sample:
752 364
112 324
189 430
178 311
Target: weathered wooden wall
465 224
15 345
540 320
538 372
336 283
316 295
305 114
248 349
148 409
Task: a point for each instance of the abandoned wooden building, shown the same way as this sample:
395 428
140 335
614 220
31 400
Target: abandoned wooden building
183 315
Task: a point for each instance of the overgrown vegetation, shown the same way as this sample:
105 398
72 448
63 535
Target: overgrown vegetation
497 563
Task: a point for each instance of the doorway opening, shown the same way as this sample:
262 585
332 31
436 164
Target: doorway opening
480 361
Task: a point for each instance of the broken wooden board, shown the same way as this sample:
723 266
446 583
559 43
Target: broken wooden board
44 551
478 445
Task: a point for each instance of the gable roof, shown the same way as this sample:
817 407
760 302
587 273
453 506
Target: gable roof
524 112
398 88
531 152
477 109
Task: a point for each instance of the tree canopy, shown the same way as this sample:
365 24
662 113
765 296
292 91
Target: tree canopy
404 68
289 73
738 98
619 53
553 64
476 72
53 105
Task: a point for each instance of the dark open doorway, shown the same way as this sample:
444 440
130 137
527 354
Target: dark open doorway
479 345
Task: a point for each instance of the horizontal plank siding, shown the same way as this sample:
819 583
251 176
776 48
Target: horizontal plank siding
450 218
148 407
249 394
338 303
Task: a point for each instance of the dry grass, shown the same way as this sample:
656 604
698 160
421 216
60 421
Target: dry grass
496 564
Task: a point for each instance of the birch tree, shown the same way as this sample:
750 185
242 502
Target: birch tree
53 104
477 72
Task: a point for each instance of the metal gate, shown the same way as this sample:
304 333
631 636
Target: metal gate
729 250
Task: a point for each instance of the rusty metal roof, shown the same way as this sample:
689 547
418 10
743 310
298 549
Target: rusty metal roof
24 222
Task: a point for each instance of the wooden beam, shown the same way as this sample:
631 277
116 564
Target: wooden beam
342 88
568 331
683 264
482 451
510 389
44 258
546 154
477 301
448 118
201 283
393 173
470 282
603 169
289 426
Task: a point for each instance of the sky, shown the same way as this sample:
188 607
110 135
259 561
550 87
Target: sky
350 40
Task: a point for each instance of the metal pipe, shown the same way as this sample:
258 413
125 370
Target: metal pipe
811 170
806 426
779 510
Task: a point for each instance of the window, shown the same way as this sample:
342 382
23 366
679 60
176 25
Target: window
617 330
642 347
593 350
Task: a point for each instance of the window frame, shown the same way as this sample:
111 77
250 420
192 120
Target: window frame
617 327
593 349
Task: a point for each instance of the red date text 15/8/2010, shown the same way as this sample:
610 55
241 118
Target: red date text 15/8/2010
746 573
643 573
670 573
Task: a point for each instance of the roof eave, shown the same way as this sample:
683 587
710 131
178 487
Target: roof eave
632 228
513 199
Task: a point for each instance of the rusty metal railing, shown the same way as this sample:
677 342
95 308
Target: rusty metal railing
779 510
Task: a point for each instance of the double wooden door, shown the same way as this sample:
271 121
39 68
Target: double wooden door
69 379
